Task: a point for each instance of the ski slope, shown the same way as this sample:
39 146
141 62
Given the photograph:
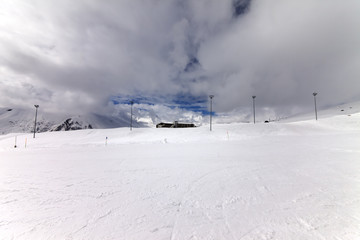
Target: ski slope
294 180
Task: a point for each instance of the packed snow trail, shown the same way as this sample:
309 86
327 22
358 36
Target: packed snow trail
277 181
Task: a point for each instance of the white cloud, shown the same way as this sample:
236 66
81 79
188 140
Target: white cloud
76 55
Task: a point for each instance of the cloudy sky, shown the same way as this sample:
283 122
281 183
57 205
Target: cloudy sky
80 56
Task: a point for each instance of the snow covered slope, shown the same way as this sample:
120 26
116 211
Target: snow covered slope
20 120
14 120
337 110
297 180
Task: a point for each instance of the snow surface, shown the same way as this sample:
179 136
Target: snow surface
296 180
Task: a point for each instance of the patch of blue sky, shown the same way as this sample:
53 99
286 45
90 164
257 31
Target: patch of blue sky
183 101
136 99
187 99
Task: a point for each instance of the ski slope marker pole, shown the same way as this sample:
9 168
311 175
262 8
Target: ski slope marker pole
15 141
25 142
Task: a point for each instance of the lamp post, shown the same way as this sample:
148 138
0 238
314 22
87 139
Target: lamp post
36 107
211 97
131 121
314 94
254 107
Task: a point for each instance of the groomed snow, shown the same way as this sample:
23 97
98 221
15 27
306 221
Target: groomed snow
298 180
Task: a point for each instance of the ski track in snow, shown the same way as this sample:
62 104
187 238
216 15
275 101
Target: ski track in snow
277 181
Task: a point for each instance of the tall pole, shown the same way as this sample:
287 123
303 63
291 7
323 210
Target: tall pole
211 97
36 107
131 120
314 94
254 107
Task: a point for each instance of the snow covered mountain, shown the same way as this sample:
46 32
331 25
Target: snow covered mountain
22 120
16 120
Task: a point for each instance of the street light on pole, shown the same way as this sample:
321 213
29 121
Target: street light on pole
131 121
211 97
36 107
314 94
254 107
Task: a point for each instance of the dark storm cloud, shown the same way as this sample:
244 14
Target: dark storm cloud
78 55
241 7
283 51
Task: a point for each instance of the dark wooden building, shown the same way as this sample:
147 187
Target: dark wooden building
175 125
